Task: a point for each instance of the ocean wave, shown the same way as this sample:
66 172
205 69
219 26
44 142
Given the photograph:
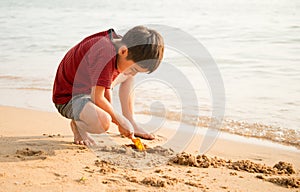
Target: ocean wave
256 130
10 77
34 88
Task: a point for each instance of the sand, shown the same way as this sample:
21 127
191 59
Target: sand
37 154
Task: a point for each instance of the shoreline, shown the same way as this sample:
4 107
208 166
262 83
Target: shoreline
226 135
248 128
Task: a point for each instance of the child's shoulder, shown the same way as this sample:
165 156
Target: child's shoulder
106 34
97 41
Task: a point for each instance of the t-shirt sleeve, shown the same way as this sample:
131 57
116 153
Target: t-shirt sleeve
101 61
105 78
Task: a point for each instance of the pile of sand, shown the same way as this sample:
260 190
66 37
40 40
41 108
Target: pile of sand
203 161
280 168
289 182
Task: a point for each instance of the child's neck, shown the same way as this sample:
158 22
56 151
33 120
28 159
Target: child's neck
117 43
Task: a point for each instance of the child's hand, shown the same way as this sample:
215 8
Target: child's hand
126 132
124 126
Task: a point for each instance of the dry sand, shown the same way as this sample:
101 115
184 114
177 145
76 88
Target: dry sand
37 154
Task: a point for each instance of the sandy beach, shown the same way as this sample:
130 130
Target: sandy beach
37 154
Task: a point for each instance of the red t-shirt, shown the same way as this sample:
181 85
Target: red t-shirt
91 62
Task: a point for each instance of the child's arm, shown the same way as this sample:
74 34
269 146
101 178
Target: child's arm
98 97
126 95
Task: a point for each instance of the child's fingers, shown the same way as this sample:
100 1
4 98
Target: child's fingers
125 132
131 136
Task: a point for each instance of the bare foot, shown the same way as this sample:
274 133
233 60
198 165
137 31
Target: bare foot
141 133
81 137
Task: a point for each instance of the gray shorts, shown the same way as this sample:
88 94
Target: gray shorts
73 108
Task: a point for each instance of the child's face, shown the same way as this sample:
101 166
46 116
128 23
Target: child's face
134 69
127 67
124 64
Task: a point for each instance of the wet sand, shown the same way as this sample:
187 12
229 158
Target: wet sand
37 154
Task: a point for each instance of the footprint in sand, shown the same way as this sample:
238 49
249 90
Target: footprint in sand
30 154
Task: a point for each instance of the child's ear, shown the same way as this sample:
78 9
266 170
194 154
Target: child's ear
123 51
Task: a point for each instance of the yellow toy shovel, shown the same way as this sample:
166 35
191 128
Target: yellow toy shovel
139 145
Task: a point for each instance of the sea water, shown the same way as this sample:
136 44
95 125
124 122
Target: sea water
255 44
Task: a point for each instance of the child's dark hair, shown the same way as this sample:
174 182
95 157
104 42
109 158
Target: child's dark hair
145 47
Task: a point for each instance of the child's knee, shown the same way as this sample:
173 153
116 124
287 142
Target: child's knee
105 121
100 124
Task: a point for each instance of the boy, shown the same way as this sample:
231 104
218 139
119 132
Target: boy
81 90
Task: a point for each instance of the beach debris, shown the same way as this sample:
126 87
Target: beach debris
83 179
158 171
139 145
53 135
260 177
223 187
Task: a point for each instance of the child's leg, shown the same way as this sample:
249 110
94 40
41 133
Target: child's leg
92 120
81 137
